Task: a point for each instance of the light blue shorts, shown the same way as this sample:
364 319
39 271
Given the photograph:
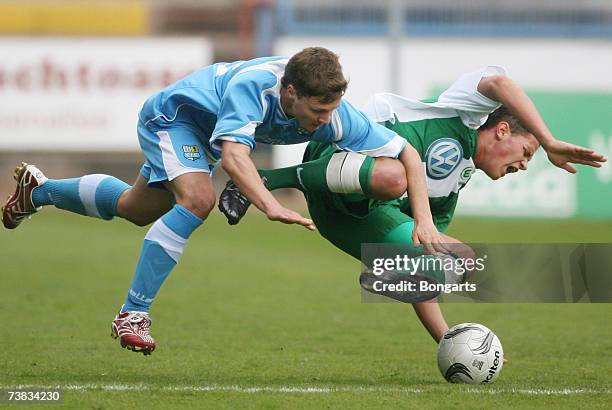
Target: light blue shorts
171 151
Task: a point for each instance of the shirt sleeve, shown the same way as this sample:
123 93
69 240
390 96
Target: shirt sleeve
354 131
463 95
461 99
243 108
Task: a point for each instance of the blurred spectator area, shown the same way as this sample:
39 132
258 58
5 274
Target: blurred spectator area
245 28
230 24
524 18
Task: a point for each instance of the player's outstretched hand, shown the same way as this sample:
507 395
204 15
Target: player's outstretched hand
287 216
563 154
426 234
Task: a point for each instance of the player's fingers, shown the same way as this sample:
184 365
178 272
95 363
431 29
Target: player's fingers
309 225
587 161
305 222
569 168
430 249
426 246
439 248
291 217
592 164
446 248
591 158
583 150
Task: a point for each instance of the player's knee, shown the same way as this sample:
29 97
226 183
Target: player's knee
200 203
388 179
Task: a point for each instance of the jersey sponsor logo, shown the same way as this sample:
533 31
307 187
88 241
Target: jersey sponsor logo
442 157
192 152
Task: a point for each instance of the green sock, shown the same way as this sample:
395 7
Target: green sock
341 172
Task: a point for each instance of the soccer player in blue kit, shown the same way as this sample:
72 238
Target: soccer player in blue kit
217 114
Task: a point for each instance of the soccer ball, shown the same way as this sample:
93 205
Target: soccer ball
470 353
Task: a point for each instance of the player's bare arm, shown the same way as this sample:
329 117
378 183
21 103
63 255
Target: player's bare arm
236 161
510 94
425 232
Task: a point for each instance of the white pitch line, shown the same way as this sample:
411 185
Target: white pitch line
299 389
216 388
540 392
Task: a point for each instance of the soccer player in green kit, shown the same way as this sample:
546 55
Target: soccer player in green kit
483 121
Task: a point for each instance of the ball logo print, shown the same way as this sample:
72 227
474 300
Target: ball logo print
442 157
486 344
477 364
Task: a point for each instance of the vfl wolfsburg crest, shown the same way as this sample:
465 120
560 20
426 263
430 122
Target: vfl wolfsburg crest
192 152
442 157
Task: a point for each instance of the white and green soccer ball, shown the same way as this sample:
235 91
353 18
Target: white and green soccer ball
470 353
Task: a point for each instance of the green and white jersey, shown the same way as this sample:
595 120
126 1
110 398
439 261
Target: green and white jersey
443 131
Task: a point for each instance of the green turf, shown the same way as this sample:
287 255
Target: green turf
264 305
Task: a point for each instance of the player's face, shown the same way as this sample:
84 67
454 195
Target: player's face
507 153
310 112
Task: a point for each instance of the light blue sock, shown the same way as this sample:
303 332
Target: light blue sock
91 195
162 249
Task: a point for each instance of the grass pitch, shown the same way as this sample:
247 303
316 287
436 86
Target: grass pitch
267 315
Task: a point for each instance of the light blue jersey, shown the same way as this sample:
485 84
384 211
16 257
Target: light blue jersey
240 102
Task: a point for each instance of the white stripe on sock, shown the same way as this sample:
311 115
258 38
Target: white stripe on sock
172 243
87 192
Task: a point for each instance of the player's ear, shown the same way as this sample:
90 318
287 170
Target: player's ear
291 91
502 130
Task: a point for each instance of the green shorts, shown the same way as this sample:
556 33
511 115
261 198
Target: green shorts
348 220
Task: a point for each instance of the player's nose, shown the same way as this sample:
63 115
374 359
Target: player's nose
324 118
523 165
